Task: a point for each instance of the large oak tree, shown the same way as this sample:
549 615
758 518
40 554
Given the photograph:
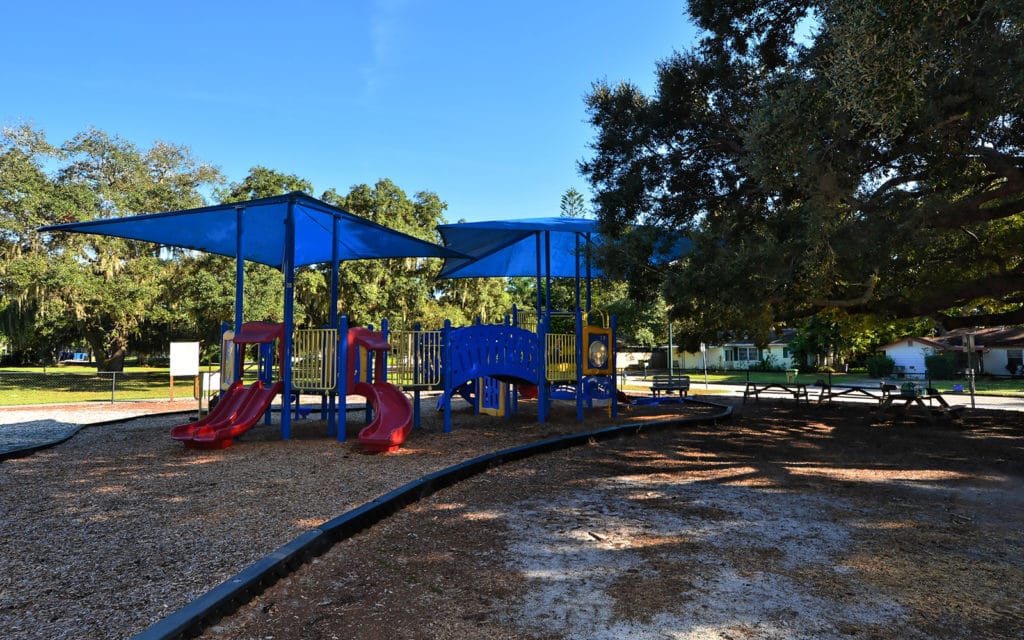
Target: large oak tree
861 156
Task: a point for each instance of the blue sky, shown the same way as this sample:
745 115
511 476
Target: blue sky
480 102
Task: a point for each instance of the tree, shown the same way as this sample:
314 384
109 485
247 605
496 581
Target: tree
572 204
400 289
875 165
67 285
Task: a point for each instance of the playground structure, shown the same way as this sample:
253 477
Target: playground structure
491 365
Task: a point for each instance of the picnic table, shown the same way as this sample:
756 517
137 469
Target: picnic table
795 389
930 404
879 395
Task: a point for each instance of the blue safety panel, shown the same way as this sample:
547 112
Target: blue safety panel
507 353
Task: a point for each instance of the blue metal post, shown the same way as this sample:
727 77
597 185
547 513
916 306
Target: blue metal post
332 416
367 366
580 347
239 288
343 374
542 373
288 267
611 354
446 373
416 338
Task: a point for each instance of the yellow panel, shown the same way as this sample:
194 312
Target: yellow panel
414 359
560 356
315 359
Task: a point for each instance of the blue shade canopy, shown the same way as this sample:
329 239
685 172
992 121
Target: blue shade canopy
509 248
214 230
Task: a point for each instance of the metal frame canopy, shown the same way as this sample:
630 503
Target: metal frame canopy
284 232
256 231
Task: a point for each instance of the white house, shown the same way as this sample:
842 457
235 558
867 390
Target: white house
1000 351
909 354
739 354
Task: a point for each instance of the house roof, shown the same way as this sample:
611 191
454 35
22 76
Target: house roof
776 338
1012 337
925 342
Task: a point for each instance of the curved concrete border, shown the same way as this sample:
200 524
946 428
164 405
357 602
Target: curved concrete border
229 595
73 430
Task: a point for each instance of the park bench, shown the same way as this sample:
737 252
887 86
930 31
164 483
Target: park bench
669 383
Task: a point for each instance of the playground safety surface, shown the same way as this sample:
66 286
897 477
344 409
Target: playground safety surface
785 522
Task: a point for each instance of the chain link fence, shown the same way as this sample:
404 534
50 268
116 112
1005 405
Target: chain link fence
18 387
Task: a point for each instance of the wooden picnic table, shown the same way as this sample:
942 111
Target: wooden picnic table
931 404
795 389
828 392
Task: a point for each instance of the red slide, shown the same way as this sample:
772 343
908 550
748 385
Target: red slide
237 412
392 416
226 409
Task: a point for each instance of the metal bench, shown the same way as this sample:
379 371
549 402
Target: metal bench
669 383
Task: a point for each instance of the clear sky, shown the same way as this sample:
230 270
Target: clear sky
478 101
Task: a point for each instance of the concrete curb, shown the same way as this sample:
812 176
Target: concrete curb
226 597
23 452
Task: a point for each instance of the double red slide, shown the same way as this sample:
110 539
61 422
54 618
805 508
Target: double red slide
238 411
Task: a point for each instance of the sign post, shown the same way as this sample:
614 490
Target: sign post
184 361
704 359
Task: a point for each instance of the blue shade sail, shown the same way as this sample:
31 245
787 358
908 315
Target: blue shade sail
214 230
510 248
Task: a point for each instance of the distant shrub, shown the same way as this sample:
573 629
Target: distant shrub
880 366
767 363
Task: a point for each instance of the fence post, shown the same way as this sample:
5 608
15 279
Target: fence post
113 385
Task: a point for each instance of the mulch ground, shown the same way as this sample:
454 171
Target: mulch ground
788 521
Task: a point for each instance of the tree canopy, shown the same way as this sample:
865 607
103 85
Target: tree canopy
863 157
59 291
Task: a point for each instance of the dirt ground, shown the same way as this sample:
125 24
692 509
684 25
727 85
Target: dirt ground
789 521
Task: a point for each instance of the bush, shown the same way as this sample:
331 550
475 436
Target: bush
767 363
880 366
941 366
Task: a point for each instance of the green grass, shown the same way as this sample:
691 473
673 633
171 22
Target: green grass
31 385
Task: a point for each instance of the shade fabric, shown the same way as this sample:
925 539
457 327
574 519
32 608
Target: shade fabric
509 248
213 230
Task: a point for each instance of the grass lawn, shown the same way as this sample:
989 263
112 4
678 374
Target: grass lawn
34 385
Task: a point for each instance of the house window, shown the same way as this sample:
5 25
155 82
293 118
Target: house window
747 354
